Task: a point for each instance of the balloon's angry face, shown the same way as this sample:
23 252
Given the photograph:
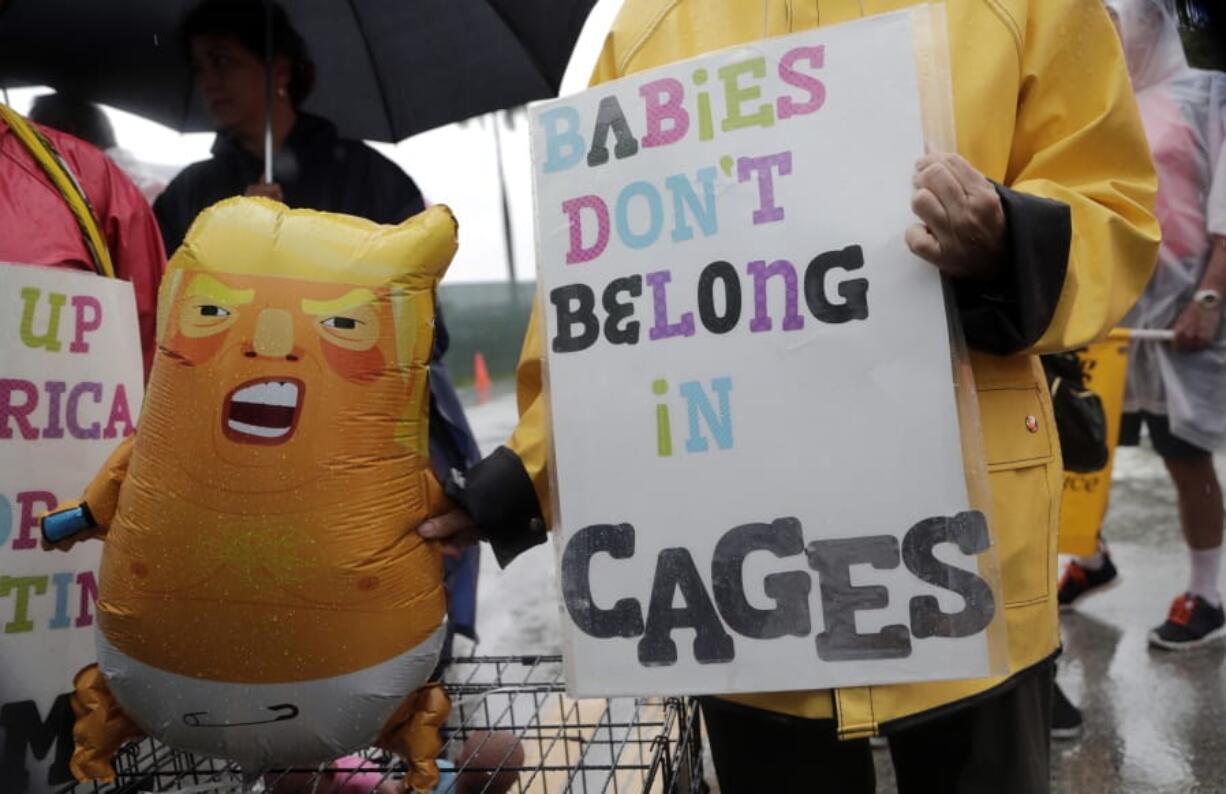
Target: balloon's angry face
292 348
287 371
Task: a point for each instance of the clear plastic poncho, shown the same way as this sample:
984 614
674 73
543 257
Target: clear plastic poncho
1184 113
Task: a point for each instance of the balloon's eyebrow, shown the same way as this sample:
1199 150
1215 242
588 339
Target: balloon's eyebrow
350 300
204 286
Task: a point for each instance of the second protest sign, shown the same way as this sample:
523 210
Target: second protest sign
760 482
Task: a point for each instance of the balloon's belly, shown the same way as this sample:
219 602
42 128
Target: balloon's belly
247 620
268 725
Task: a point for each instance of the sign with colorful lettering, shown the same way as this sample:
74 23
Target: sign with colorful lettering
70 389
757 450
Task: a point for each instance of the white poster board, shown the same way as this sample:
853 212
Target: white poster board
70 390
759 481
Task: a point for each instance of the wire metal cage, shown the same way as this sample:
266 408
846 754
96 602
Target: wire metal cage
512 728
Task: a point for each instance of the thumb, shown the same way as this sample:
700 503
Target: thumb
431 529
444 526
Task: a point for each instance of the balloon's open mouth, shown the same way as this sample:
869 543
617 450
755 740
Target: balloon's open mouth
263 411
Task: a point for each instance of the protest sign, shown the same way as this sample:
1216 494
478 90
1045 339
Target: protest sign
756 444
70 390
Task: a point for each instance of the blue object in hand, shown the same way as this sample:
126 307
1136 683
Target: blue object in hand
64 524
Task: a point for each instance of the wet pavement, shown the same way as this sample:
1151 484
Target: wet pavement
1155 721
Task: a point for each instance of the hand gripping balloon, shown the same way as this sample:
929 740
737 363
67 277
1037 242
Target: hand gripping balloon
263 596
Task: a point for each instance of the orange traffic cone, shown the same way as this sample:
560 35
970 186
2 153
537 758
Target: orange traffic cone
481 377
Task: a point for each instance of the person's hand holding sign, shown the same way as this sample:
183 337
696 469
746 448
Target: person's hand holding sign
962 222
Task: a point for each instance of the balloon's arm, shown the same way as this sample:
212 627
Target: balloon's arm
90 516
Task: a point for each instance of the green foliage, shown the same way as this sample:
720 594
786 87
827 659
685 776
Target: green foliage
489 317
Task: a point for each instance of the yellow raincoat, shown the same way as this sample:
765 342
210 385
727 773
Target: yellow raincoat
1044 108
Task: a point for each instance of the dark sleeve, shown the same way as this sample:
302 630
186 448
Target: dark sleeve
395 196
1010 313
442 337
499 496
170 209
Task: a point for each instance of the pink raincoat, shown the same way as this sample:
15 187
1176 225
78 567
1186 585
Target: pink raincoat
38 228
1184 113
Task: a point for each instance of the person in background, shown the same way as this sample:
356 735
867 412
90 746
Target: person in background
89 122
38 225
1042 222
314 168
1081 422
77 117
1178 389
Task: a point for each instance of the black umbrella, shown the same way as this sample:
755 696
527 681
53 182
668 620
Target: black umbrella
386 69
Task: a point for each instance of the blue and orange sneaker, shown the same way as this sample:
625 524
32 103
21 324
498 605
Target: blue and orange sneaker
1192 622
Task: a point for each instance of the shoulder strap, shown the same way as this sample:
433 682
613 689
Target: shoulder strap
66 183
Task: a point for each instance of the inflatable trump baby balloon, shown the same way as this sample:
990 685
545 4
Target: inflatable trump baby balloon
263 594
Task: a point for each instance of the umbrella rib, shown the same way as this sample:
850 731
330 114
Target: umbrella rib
374 67
531 55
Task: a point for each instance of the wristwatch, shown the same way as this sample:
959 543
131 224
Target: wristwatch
1207 298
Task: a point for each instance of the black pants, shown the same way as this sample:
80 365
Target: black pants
995 744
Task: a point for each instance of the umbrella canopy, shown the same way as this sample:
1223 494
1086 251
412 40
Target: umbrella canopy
385 69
